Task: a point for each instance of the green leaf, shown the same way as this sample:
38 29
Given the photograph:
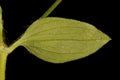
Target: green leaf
60 40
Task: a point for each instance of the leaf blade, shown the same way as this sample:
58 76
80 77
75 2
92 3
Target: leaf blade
60 40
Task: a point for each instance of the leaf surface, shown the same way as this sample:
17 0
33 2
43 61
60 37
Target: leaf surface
60 40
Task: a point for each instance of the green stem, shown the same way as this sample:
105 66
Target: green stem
54 5
3 59
1 27
3 51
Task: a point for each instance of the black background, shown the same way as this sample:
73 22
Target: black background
19 14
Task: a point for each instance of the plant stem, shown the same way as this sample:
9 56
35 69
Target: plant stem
3 59
54 5
1 27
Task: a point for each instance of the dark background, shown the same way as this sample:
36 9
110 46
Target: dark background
19 14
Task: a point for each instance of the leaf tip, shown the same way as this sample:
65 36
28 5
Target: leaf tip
109 38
